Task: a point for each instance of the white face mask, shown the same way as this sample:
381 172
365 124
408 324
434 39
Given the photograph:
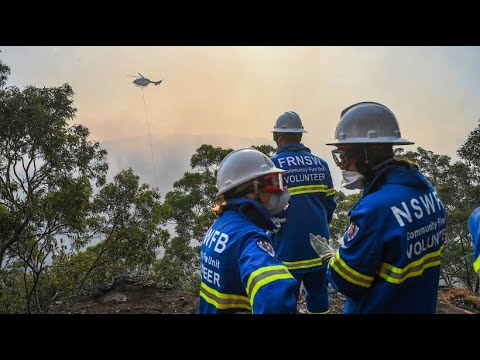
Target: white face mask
277 202
352 180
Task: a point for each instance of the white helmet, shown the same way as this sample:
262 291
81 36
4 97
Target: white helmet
289 122
368 122
243 165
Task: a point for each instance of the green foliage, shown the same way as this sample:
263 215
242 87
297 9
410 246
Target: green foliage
188 208
4 72
46 171
470 150
179 265
48 213
266 149
45 165
12 295
207 158
125 219
61 279
340 219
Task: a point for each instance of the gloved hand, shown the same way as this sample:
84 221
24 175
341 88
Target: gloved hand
322 247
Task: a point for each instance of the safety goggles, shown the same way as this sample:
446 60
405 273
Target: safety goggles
341 157
271 182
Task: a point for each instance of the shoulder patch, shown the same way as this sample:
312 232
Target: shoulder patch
265 245
352 230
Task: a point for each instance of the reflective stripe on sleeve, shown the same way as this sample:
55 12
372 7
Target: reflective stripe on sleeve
264 276
324 312
223 301
307 189
396 275
348 273
476 264
302 264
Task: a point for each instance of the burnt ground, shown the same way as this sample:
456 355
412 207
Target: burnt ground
140 296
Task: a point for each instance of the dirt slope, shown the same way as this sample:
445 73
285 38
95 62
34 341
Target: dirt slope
130 296
139 296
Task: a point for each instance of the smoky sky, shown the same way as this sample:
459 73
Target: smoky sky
231 96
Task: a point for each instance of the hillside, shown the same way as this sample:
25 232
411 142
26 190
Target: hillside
139 296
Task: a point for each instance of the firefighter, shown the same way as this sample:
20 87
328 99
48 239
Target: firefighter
474 227
391 254
310 210
239 270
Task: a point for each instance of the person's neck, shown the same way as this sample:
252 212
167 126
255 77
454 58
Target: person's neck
281 142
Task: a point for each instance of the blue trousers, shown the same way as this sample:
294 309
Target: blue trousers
316 290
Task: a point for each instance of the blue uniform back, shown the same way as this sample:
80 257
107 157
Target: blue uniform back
390 261
240 272
310 208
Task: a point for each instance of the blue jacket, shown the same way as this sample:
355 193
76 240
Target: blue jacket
238 265
310 208
390 260
474 227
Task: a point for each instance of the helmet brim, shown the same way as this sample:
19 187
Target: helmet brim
379 140
289 131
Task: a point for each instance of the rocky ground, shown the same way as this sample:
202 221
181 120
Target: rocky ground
140 296
130 296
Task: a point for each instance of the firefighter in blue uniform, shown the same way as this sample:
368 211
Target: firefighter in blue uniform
240 273
310 210
391 256
474 227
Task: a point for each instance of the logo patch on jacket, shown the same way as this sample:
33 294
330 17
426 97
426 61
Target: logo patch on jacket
352 230
266 246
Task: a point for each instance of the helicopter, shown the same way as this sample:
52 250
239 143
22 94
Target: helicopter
143 81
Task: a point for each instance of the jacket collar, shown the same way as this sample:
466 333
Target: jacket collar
292 147
396 174
253 210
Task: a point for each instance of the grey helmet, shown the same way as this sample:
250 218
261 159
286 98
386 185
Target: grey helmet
289 122
368 122
243 165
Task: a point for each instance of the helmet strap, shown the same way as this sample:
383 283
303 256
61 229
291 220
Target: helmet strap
379 165
369 167
256 186
276 136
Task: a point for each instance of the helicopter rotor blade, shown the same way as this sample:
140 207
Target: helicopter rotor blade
141 75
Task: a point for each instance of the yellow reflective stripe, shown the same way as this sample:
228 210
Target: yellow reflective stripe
264 276
302 264
396 275
223 301
330 192
476 264
348 273
325 312
266 281
306 189
303 187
